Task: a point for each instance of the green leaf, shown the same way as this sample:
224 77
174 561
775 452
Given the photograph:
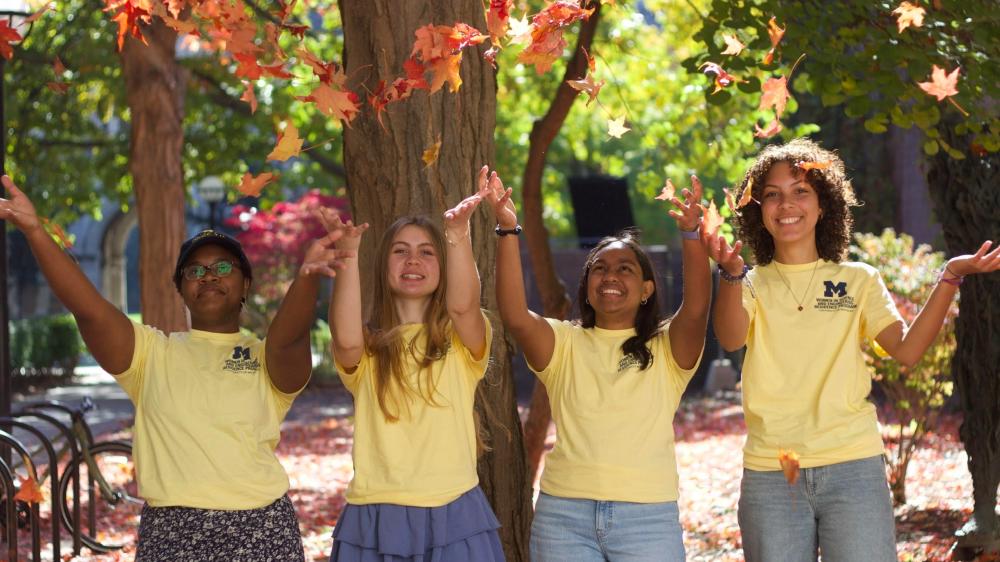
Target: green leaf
750 85
931 147
876 123
719 98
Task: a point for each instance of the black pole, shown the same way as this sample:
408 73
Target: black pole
5 392
211 215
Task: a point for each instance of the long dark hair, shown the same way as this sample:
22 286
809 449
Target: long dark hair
648 323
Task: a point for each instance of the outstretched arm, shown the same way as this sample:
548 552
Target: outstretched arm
531 331
907 345
462 298
688 326
105 329
346 324
729 320
287 349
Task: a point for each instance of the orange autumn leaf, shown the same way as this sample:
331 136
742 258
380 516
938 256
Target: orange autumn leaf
774 93
908 15
942 85
251 186
821 165
247 66
617 128
733 45
789 461
30 491
775 33
497 18
667 192
722 78
520 30
289 144
730 199
431 153
439 49
587 85
8 35
57 85
772 128
711 219
591 61
129 15
249 96
747 195
400 89
57 233
547 42
328 72
339 104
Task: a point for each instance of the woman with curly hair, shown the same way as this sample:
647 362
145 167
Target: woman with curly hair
802 313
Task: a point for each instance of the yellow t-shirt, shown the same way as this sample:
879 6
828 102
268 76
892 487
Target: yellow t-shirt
615 422
206 420
805 382
428 457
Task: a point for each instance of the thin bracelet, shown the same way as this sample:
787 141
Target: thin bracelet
954 281
733 279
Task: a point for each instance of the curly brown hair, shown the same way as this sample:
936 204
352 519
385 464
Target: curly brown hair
836 197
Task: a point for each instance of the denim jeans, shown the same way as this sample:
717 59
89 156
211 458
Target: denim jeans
842 509
581 530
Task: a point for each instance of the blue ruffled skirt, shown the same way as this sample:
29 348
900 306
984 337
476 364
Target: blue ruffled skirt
461 531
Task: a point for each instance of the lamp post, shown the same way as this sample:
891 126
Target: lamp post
212 191
14 13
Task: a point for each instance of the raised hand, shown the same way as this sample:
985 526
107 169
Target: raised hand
983 261
456 219
347 235
324 257
688 212
728 257
17 208
500 199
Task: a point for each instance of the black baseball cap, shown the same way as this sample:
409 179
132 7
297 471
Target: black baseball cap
204 238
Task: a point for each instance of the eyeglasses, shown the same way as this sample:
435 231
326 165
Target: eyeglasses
220 268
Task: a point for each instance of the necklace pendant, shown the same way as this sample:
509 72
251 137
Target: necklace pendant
800 308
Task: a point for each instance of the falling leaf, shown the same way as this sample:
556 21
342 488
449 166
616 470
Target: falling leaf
789 461
774 93
431 153
820 165
587 85
617 128
908 15
30 491
249 96
439 49
591 61
328 72
667 193
129 16
733 45
497 18
7 36
773 128
747 195
339 104
58 233
775 33
400 89
711 219
722 78
547 42
251 186
942 85
520 30
289 144
730 199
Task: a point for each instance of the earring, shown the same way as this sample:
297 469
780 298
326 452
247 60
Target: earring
587 300
643 301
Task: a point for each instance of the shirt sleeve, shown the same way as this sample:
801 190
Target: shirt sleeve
749 296
282 399
353 379
678 375
476 367
879 310
132 379
561 331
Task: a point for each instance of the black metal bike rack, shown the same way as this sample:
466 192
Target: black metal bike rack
8 440
53 480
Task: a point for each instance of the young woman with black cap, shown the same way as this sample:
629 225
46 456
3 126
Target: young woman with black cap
209 401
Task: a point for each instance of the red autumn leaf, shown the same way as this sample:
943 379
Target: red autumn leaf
617 128
942 85
251 186
667 193
400 89
58 86
772 128
247 67
284 9
711 219
415 74
7 36
249 96
806 166
587 85
907 15
128 16
547 42
339 104
431 153
328 72
733 45
276 70
722 78
774 93
170 17
30 491
789 461
439 49
497 18
775 33
289 144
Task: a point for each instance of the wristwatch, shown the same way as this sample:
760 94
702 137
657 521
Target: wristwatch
505 231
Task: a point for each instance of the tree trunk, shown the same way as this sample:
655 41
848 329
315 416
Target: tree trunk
967 202
555 303
154 85
386 178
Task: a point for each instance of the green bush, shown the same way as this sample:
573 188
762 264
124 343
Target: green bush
915 395
45 345
324 371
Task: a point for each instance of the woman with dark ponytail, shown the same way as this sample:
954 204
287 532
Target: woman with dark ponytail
614 379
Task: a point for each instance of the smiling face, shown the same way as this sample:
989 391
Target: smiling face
413 268
615 286
215 302
789 207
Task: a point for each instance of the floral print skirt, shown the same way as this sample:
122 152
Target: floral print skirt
172 534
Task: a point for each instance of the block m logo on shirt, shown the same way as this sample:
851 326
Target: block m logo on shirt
840 289
240 352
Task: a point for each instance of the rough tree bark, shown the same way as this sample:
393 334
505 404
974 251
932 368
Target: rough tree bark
386 178
967 202
555 303
154 86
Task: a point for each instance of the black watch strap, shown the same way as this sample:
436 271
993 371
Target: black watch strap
505 231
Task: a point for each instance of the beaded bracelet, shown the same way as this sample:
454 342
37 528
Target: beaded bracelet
954 281
733 279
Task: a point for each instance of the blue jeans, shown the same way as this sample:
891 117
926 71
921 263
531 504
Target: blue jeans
843 509
580 530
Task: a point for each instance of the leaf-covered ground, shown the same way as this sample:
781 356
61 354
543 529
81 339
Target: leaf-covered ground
315 449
